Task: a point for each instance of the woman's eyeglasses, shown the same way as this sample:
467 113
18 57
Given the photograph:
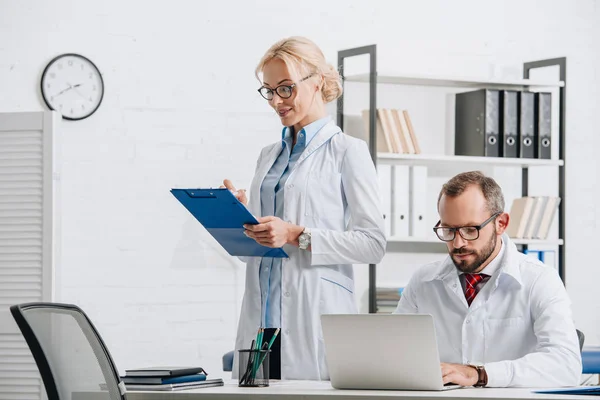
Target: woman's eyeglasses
283 91
447 234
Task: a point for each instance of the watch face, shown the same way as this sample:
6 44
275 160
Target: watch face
73 86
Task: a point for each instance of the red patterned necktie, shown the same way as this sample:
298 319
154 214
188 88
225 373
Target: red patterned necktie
471 281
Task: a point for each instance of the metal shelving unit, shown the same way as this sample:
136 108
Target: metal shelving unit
429 244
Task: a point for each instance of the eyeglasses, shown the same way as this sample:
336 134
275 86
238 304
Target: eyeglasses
283 91
447 234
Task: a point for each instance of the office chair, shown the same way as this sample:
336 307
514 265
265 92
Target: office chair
228 361
581 338
68 351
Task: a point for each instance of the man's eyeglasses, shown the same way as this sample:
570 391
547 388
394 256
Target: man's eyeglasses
283 91
447 234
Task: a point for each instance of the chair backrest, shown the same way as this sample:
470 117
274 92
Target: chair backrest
581 338
68 351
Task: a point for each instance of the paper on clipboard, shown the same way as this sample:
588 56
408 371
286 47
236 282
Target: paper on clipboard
223 216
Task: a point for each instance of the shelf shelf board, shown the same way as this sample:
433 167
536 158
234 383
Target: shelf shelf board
437 242
445 81
432 159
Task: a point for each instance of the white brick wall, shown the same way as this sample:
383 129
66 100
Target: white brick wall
181 110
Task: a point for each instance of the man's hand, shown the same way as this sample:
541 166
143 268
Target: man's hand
463 375
273 232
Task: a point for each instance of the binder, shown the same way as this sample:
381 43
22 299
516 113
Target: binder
509 124
400 201
526 125
418 201
477 123
224 217
384 175
543 104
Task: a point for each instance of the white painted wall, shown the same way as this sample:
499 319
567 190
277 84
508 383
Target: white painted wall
181 110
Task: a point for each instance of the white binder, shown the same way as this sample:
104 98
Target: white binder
418 201
384 175
400 203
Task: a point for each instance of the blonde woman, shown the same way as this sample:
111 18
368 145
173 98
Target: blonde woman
315 193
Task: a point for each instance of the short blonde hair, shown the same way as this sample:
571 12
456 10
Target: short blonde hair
303 57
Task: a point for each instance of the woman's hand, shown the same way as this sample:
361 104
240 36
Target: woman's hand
273 232
239 194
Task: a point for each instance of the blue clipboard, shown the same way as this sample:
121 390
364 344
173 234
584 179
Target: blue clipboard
224 217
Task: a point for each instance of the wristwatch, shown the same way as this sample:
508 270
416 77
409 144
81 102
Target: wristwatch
304 239
482 377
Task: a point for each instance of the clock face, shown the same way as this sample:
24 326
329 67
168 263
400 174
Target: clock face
73 86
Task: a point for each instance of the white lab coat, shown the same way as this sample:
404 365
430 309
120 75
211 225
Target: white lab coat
332 190
519 326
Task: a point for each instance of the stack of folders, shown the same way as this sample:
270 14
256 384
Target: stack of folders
387 299
168 378
531 217
394 130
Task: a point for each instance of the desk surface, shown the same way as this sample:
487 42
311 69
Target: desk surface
308 390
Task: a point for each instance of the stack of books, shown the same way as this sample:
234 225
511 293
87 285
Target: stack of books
394 130
531 217
168 378
387 299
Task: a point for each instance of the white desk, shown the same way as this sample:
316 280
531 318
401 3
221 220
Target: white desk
308 390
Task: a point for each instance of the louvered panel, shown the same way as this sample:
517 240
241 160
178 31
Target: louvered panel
20 242
20 287
21 135
19 235
19 250
20 185
20 213
8 258
23 169
13 352
11 297
19 376
23 267
21 162
21 396
21 228
20 177
26 194
5 192
20 221
25 204
22 278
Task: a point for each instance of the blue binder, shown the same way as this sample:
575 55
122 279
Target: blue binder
224 217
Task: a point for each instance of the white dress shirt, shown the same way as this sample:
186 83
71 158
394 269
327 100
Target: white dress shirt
519 326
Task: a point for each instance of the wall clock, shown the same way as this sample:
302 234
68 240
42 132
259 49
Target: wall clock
72 85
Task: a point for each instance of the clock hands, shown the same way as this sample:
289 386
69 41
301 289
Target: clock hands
69 88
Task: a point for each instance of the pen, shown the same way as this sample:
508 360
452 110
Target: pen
268 348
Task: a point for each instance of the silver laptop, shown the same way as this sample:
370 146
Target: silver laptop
382 351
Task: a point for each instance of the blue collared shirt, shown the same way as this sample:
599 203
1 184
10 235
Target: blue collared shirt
271 203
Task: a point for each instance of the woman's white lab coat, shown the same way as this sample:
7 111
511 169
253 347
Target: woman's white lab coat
332 190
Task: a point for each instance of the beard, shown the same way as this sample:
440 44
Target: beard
480 256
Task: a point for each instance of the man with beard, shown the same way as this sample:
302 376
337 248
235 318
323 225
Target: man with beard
501 319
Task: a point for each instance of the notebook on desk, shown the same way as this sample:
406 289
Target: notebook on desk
388 351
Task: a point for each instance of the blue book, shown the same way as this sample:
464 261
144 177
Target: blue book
589 390
224 217
157 380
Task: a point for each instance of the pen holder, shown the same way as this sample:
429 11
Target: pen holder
253 367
